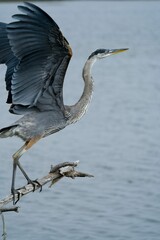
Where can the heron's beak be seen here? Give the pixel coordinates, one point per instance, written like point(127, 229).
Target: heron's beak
point(115, 51)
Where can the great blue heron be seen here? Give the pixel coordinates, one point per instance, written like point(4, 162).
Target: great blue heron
point(37, 56)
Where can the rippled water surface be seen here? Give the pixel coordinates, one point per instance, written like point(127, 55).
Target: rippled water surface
point(117, 141)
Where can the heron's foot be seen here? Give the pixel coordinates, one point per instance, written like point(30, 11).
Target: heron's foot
point(34, 184)
point(16, 195)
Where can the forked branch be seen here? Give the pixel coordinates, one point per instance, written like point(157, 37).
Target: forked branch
point(66, 169)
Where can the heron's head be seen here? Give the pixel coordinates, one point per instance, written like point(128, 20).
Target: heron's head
point(102, 53)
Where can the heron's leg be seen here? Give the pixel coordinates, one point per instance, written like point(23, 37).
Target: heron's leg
point(16, 157)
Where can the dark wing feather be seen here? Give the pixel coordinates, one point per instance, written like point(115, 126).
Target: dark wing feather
point(7, 57)
point(43, 54)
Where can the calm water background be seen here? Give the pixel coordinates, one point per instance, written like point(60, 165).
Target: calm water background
point(117, 141)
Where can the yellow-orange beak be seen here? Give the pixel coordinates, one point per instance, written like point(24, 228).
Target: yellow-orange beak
point(115, 51)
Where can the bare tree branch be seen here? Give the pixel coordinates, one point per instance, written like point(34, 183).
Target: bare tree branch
point(56, 173)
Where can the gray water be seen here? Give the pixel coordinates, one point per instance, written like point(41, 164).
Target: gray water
point(117, 141)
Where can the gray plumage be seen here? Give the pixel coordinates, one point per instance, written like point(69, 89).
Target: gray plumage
point(37, 56)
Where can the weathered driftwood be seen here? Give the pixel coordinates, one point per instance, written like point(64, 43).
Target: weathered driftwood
point(66, 169)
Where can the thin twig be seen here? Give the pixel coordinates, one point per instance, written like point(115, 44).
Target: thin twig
point(11, 209)
point(4, 234)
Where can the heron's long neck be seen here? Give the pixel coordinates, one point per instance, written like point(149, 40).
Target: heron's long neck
point(78, 110)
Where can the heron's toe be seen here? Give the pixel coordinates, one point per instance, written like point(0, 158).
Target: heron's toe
point(35, 184)
point(16, 195)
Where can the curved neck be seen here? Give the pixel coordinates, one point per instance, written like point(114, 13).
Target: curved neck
point(79, 109)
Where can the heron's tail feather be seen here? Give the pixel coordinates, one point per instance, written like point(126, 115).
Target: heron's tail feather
point(7, 131)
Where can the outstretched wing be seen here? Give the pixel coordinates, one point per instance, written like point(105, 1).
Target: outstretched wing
point(43, 55)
